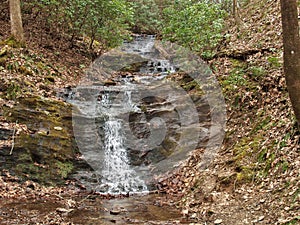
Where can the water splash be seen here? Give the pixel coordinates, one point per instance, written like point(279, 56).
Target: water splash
point(118, 176)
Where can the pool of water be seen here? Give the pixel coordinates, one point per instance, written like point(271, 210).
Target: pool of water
point(91, 209)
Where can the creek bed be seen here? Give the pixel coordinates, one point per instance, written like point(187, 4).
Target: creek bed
point(91, 209)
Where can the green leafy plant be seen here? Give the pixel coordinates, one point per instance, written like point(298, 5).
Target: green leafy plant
point(103, 20)
point(274, 62)
point(13, 91)
point(147, 17)
point(193, 24)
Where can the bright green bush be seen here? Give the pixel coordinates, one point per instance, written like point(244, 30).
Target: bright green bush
point(194, 24)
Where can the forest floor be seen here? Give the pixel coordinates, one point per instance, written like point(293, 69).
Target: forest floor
point(255, 179)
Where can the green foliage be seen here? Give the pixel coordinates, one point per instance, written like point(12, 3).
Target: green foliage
point(197, 25)
point(64, 168)
point(274, 62)
point(103, 20)
point(236, 79)
point(257, 71)
point(147, 16)
point(13, 91)
point(293, 221)
point(12, 42)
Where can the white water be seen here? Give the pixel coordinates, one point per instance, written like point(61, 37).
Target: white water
point(118, 176)
point(110, 159)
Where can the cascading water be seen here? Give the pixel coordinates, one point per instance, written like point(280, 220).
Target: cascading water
point(118, 176)
point(128, 128)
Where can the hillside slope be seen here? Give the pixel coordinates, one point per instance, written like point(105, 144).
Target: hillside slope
point(255, 179)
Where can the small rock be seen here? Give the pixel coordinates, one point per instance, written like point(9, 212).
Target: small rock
point(43, 132)
point(63, 210)
point(218, 221)
point(115, 212)
point(262, 200)
point(58, 128)
point(194, 215)
point(109, 83)
point(261, 218)
point(185, 211)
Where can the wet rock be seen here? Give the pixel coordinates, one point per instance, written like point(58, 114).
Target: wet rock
point(46, 152)
point(109, 82)
point(5, 134)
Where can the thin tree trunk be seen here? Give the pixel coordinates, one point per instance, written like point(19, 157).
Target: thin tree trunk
point(234, 6)
point(291, 44)
point(16, 20)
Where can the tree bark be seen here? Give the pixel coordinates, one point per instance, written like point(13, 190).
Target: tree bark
point(291, 44)
point(16, 20)
point(234, 6)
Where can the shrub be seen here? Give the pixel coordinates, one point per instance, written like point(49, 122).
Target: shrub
point(197, 25)
point(103, 20)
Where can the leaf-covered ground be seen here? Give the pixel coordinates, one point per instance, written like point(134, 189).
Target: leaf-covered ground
point(255, 179)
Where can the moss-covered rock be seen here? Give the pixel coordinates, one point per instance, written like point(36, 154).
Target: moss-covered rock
point(46, 151)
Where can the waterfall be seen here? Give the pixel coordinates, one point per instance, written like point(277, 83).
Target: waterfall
point(138, 127)
point(118, 177)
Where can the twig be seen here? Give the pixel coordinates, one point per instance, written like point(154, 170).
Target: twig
point(13, 139)
point(84, 199)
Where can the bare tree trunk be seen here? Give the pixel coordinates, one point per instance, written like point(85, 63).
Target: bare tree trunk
point(291, 44)
point(16, 20)
point(234, 6)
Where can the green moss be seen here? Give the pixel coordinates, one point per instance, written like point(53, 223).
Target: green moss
point(274, 62)
point(247, 146)
point(293, 221)
point(24, 157)
point(236, 79)
point(246, 174)
point(12, 42)
point(26, 71)
point(169, 145)
point(144, 108)
point(3, 61)
point(238, 64)
point(13, 91)
point(261, 157)
point(36, 172)
point(265, 159)
point(263, 124)
point(46, 154)
point(3, 52)
point(64, 168)
point(256, 71)
point(192, 86)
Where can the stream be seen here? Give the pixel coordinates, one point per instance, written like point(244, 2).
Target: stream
point(91, 209)
point(134, 123)
point(130, 122)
